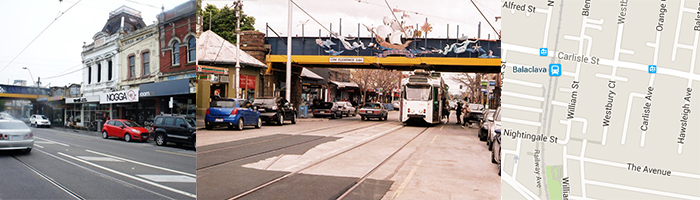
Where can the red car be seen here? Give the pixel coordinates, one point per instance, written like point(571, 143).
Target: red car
point(125, 129)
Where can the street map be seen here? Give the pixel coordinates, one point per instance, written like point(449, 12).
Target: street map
point(601, 99)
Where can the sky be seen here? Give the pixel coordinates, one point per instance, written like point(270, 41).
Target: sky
point(371, 12)
point(58, 50)
point(440, 14)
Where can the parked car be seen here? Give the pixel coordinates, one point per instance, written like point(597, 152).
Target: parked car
point(388, 106)
point(124, 129)
point(496, 153)
point(476, 114)
point(178, 129)
point(328, 109)
point(374, 110)
point(485, 123)
point(15, 135)
point(495, 124)
point(232, 113)
point(396, 105)
point(5, 115)
point(39, 121)
point(275, 110)
point(346, 108)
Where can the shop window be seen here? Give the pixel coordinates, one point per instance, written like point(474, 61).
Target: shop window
point(89, 75)
point(145, 62)
point(176, 53)
point(99, 72)
point(191, 49)
point(132, 66)
point(109, 70)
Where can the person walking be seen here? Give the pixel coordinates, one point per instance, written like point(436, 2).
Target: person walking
point(458, 111)
point(467, 111)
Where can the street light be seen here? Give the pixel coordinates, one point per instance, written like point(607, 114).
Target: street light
point(30, 75)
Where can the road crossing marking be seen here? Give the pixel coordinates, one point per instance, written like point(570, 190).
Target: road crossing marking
point(95, 158)
point(169, 178)
point(130, 176)
point(140, 163)
point(51, 141)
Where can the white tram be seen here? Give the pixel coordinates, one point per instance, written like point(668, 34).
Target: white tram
point(421, 98)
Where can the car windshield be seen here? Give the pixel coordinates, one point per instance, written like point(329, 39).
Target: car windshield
point(13, 125)
point(264, 102)
point(476, 107)
point(131, 124)
point(223, 103)
point(371, 106)
point(325, 105)
point(191, 121)
point(417, 93)
point(41, 117)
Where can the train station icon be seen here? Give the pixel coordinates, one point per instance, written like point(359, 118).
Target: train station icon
point(652, 69)
point(544, 51)
point(554, 69)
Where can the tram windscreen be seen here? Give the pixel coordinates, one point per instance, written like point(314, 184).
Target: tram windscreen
point(417, 93)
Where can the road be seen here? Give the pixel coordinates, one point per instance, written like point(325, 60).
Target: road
point(346, 158)
point(66, 164)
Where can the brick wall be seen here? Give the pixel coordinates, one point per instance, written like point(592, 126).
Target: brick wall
point(252, 42)
point(184, 28)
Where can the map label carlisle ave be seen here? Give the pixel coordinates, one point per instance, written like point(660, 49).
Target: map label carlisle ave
point(647, 109)
point(647, 169)
point(684, 115)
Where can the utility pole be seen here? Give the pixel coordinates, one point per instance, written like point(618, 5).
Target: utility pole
point(288, 82)
point(238, 50)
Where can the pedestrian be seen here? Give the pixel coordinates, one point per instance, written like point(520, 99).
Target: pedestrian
point(445, 110)
point(467, 112)
point(458, 111)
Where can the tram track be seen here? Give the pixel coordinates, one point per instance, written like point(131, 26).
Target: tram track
point(349, 190)
point(282, 147)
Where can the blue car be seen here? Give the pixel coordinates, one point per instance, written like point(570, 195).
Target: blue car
point(232, 113)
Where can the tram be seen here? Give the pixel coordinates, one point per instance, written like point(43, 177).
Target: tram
point(422, 96)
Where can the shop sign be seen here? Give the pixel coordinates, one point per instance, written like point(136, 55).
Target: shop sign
point(212, 70)
point(345, 60)
point(124, 96)
point(247, 82)
point(183, 76)
point(83, 99)
point(145, 94)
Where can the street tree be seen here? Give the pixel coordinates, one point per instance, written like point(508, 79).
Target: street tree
point(472, 93)
point(383, 80)
point(222, 21)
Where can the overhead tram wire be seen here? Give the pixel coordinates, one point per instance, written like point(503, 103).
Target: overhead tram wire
point(319, 23)
point(37, 37)
point(416, 13)
point(487, 20)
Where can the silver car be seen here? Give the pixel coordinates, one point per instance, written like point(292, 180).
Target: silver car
point(495, 124)
point(15, 135)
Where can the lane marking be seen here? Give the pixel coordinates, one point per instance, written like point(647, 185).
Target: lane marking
point(70, 134)
point(130, 176)
point(52, 142)
point(36, 145)
point(433, 141)
point(442, 127)
point(175, 153)
point(50, 180)
point(140, 163)
point(407, 179)
point(169, 178)
point(94, 158)
point(104, 175)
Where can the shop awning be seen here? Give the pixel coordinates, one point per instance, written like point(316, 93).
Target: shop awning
point(309, 74)
point(345, 84)
point(211, 70)
point(165, 88)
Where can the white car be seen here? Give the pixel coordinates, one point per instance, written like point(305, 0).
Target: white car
point(496, 124)
point(39, 121)
point(346, 108)
point(15, 135)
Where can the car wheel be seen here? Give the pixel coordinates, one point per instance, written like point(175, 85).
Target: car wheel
point(354, 114)
point(340, 116)
point(362, 118)
point(240, 124)
point(127, 137)
point(259, 124)
point(490, 146)
point(160, 139)
point(280, 120)
point(333, 116)
point(209, 127)
point(27, 151)
point(294, 119)
point(104, 135)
